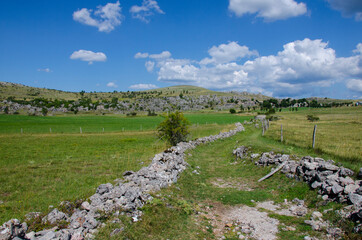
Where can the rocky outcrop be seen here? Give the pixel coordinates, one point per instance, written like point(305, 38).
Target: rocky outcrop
point(127, 195)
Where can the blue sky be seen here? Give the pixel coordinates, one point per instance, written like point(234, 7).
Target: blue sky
point(282, 48)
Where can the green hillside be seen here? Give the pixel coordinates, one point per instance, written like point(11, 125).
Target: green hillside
point(19, 91)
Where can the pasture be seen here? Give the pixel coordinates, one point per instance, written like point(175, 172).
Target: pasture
point(39, 168)
point(339, 132)
point(12, 124)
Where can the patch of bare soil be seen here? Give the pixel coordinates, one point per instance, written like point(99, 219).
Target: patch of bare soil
point(294, 208)
point(243, 221)
point(231, 183)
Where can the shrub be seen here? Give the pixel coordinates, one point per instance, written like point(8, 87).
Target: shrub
point(232, 110)
point(312, 118)
point(174, 128)
point(131, 114)
point(44, 111)
point(151, 113)
point(271, 111)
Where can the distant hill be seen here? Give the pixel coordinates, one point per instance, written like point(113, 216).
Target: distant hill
point(20, 91)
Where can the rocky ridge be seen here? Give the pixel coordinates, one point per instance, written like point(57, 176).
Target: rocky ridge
point(126, 196)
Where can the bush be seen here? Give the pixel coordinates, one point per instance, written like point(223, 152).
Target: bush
point(44, 111)
point(232, 110)
point(312, 118)
point(131, 114)
point(270, 111)
point(151, 113)
point(174, 128)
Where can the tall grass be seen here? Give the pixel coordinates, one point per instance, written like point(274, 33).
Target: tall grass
point(339, 131)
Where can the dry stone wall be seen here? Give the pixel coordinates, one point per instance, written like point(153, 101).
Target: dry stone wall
point(334, 183)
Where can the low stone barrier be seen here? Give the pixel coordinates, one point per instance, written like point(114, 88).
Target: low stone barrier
point(127, 195)
point(333, 182)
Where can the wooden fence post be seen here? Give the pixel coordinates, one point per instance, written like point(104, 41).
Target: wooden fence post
point(281, 132)
point(80, 129)
point(262, 126)
point(21, 130)
point(314, 133)
point(50, 130)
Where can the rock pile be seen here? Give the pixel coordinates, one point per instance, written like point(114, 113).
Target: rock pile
point(128, 195)
point(333, 182)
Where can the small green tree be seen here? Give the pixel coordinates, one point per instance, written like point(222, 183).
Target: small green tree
point(232, 110)
point(174, 128)
point(44, 111)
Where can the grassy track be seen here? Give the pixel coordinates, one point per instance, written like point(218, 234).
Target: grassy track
point(339, 132)
point(42, 169)
point(171, 215)
point(95, 124)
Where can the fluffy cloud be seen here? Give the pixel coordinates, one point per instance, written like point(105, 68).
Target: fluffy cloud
point(163, 55)
point(112, 85)
point(270, 10)
point(148, 8)
point(348, 7)
point(142, 86)
point(105, 18)
point(302, 67)
point(89, 56)
point(47, 70)
point(355, 85)
point(227, 53)
point(141, 55)
point(150, 66)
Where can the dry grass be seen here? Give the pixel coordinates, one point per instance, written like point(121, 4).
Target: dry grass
point(339, 131)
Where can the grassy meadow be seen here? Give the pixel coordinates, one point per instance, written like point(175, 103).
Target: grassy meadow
point(339, 132)
point(12, 124)
point(177, 212)
point(39, 168)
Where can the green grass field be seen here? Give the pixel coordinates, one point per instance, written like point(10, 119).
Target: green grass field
point(176, 212)
point(94, 124)
point(39, 168)
point(339, 132)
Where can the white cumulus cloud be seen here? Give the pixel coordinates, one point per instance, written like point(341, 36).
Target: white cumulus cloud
point(227, 53)
point(270, 10)
point(105, 18)
point(301, 67)
point(112, 85)
point(142, 86)
point(355, 85)
point(147, 9)
point(141, 55)
point(163, 55)
point(348, 7)
point(150, 66)
point(88, 56)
